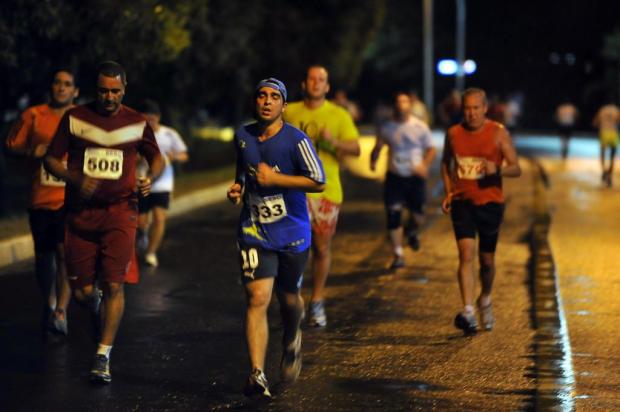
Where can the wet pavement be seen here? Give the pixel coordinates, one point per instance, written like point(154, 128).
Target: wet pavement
point(584, 238)
point(389, 345)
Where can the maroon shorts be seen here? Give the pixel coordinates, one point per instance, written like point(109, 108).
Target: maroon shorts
point(99, 244)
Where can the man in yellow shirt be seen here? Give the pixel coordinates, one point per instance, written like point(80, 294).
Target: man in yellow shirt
point(334, 135)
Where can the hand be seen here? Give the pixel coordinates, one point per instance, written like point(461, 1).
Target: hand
point(421, 170)
point(88, 186)
point(234, 193)
point(446, 204)
point(265, 175)
point(39, 150)
point(490, 168)
point(144, 186)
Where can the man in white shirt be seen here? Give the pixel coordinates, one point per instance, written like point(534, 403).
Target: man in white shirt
point(173, 149)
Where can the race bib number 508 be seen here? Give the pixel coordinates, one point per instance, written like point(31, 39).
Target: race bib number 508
point(103, 163)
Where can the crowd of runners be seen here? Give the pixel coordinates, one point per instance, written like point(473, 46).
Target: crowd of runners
point(101, 169)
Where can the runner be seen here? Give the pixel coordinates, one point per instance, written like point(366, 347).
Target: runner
point(566, 117)
point(334, 135)
point(607, 119)
point(276, 165)
point(30, 137)
point(173, 149)
point(102, 140)
point(411, 155)
point(477, 154)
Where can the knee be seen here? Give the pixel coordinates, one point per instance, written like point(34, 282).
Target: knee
point(394, 218)
point(258, 299)
point(466, 256)
point(113, 290)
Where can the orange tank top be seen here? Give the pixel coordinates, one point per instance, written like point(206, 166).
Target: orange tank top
point(469, 150)
point(37, 125)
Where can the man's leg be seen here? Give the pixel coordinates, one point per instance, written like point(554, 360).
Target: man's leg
point(142, 237)
point(113, 309)
point(487, 276)
point(156, 231)
point(395, 233)
point(321, 262)
point(292, 311)
point(612, 159)
point(63, 292)
point(258, 296)
point(466, 248)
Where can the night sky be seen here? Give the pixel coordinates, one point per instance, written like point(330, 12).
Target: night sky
point(550, 50)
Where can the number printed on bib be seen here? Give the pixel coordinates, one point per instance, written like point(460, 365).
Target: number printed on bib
point(48, 179)
point(470, 168)
point(103, 163)
point(268, 209)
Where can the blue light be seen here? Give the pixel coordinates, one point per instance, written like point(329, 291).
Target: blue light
point(449, 67)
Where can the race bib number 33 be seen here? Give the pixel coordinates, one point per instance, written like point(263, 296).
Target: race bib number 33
point(470, 168)
point(103, 163)
point(268, 209)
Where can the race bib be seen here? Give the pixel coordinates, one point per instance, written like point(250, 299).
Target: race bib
point(268, 209)
point(48, 179)
point(470, 168)
point(103, 163)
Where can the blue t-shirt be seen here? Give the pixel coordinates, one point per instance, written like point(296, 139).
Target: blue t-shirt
point(275, 218)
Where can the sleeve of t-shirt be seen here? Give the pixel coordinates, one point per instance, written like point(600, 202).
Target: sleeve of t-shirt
point(308, 161)
point(60, 142)
point(348, 131)
point(148, 145)
point(428, 139)
point(178, 145)
point(19, 135)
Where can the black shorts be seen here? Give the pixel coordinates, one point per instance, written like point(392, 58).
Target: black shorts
point(405, 191)
point(469, 219)
point(286, 267)
point(157, 199)
point(48, 228)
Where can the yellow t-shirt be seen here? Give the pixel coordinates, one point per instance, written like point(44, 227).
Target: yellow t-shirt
point(339, 123)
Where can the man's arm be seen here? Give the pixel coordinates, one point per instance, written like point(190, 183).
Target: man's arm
point(511, 167)
point(376, 150)
point(446, 161)
point(267, 177)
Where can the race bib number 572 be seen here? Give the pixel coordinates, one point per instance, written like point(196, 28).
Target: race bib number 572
point(470, 168)
point(103, 163)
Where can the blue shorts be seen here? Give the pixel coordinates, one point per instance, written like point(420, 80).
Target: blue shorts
point(286, 267)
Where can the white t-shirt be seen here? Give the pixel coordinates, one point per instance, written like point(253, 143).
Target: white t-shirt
point(169, 142)
point(408, 141)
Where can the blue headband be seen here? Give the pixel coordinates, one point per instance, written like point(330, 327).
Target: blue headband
point(273, 83)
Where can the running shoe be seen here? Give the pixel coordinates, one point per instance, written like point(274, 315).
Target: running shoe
point(466, 321)
point(291, 360)
point(486, 315)
point(257, 386)
point(317, 317)
point(100, 372)
point(57, 325)
point(151, 259)
point(398, 262)
point(413, 241)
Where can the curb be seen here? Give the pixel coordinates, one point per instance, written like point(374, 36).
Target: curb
point(555, 381)
point(21, 247)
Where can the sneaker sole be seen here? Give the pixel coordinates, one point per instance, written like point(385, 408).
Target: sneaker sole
point(465, 326)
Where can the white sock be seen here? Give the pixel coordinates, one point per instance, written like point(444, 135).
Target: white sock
point(468, 309)
point(398, 251)
point(104, 350)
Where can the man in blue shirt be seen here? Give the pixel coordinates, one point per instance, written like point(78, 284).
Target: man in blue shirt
point(276, 166)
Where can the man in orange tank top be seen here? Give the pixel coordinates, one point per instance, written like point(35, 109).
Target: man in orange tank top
point(477, 154)
point(29, 137)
